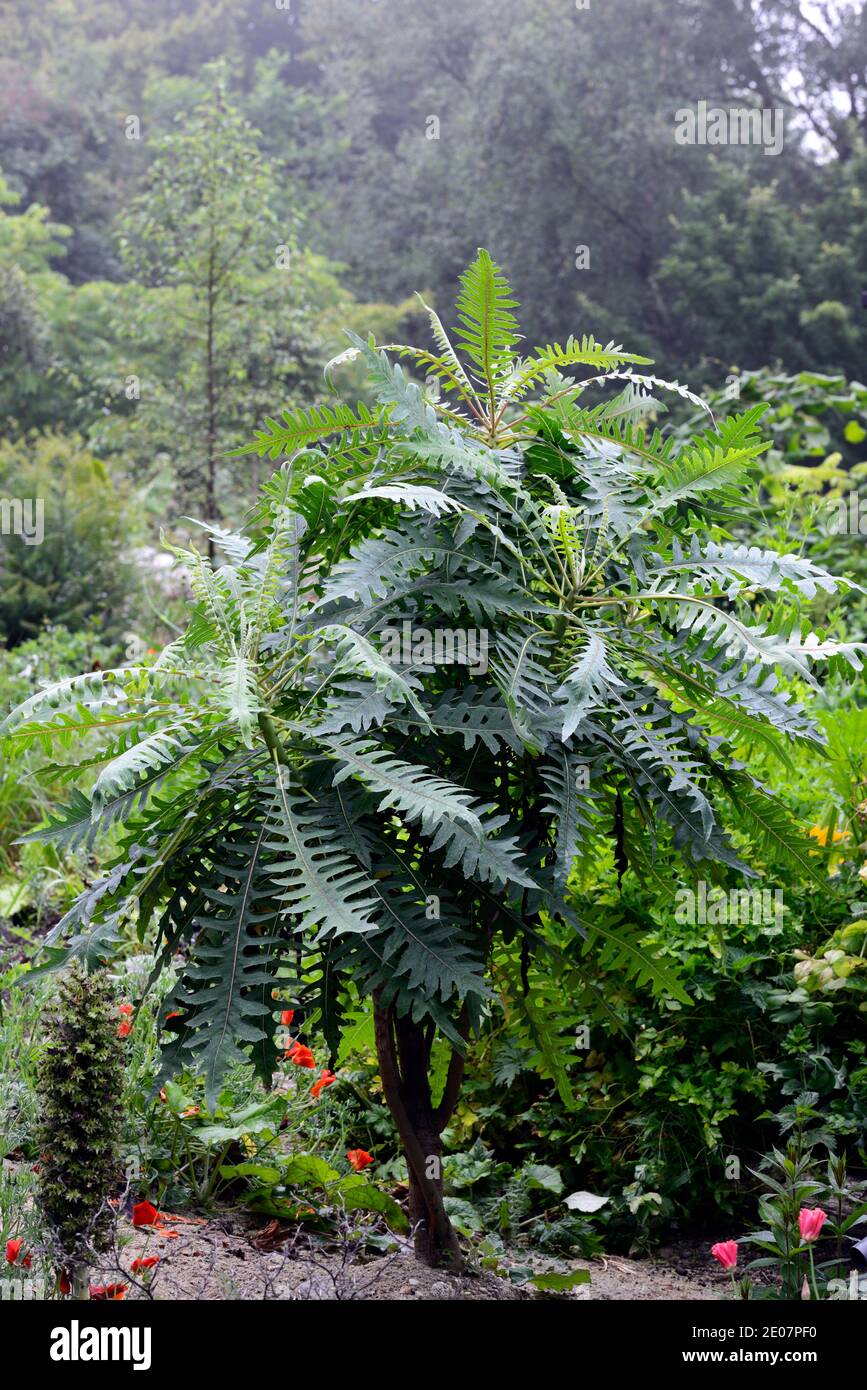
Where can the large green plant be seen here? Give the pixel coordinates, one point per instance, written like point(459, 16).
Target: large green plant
point(296, 807)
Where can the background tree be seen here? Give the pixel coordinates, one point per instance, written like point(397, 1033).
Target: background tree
point(556, 132)
point(202, 229)
point(799, 272)
point(28, 241)
point(224, 309)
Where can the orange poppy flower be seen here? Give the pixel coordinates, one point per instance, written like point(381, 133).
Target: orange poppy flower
point(111, 1292)
point(300, 1055)
point(359, 1158)
point(326, 1079)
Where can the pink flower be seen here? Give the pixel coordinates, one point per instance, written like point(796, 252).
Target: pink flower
point(726, 1251)
point(810, 1222)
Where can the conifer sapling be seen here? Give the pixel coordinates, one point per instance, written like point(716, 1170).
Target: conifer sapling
point(80, 1084)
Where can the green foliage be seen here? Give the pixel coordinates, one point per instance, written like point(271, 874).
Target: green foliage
point(291, 807)
point(207, 250)
point(305, 1189)
point(652, 1099)
point(799, 277)
point(691, 251)
point(523, 1205)
point(838, 964)
point(80, 1084)
point(35, 880)
point(28, 241)
point(813, 490)
point(19, 1058)
point(79, 571)
point(706, 253)
point(794, 1182)
point(184, 1150)
point(288, 796)
point(44, 660)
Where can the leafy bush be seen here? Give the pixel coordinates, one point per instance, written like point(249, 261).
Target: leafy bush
point(814, 474)
point(34, 879)
point(78, 571)
point(658, 1101)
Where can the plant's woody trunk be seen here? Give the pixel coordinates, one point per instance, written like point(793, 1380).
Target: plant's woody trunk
point(403, 1048)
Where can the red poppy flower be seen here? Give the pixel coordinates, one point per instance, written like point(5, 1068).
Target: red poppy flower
point(124, 1029)
point(326, 1079)
point(64, 1284)
point(125, 1009)
point(13, 1254)
point(300, 1055)
point(145, 1214)
point(111, 1292)
point(176, 1013)
point(359, 1158)
point(286, 1017)
point(147, 1262)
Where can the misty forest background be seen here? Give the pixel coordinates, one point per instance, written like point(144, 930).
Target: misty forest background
point(197, 197)
point(555, 131)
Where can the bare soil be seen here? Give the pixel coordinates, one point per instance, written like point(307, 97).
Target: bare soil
point(228, 1258)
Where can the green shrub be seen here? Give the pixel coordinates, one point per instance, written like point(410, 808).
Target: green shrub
point(659, 1099)
point(33, 877)
point(79, 572)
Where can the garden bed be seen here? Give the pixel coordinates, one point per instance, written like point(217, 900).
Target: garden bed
point(228, 1258)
